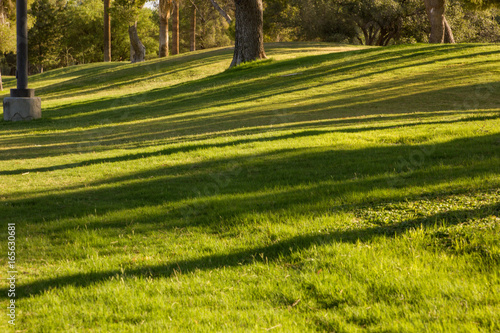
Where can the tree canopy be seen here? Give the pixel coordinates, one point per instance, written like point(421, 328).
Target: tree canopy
point(482, 4)
point(67, 32)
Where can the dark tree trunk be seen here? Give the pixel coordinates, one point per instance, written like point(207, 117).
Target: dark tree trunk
point(435, 13)
point(163, 36)
point(175, 28)
point(249, 43)
point(192, 45)
point(1, 84)
point(448, 34)
point(107, 32)
point(137, 49)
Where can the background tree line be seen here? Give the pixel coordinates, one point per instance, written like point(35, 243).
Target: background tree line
point(376, 22)
point(68, 32)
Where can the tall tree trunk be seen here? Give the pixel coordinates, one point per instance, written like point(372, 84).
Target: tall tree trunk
point(192, 45)
point(448, 33)
point(2, 15)
point(249, 43)
point(221, 12)
point(1, 84)
point(107, 32)
point(137, 49)
point(435, 13)
point(164, 8)
point(175, 27)
point(163, 37)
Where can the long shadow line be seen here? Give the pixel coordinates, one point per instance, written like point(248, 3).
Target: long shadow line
point(277, 251)
point(175, 187)
point(192, 147)
point(284, 64)
point(201, 98)
point(165, 130)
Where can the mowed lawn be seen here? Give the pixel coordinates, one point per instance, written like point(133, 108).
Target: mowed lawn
point(328, 188)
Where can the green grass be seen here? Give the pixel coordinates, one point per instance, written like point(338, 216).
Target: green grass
point(328, 188)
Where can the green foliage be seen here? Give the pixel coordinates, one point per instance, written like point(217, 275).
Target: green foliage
point(125, 13)
point(231, 31)
point(46, 33)
point(380, 21)
point(473, 26)
point(147, 29)
point(68, 33)
point(211, 29)
point(282, 20)
point(8, 37)
point(126, 10)
point(372, 22)
point(8, 28)
point(82, 41)
point(481, 4)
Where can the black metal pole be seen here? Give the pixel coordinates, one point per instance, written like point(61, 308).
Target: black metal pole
point(22, 103)
point(22, 43)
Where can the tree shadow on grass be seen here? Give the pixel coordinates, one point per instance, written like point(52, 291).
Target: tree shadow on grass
point(300, 133)
point(129, 76)
point(306, 180)
point(280, 250)
point(182, 120)
point(288, 179)
point(222, 191)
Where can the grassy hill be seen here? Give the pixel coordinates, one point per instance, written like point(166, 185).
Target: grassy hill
point(328, 188)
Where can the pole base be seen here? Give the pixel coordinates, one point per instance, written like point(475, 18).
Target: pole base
point(22, 93)
point(22, 108)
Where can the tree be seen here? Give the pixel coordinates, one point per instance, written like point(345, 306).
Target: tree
point(83, 40)
point(440, 28)
point(448, 33)
point(2, 15)
point(192, 34)
point(249, 35)
point(7, 32)
point(46, 34)
point(380, 21)
point(137, 49)
point(175, 27)
point(129, 11)
point(107, 31)
point(481, 4)
point(211, 27)
point(164, 9)
point(221, 11)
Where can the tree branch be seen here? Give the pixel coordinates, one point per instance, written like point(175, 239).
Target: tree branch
point(221, 11)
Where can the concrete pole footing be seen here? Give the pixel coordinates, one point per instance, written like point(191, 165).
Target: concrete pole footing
point(22, 108)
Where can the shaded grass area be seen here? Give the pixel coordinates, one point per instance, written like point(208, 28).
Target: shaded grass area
point(318, 190)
